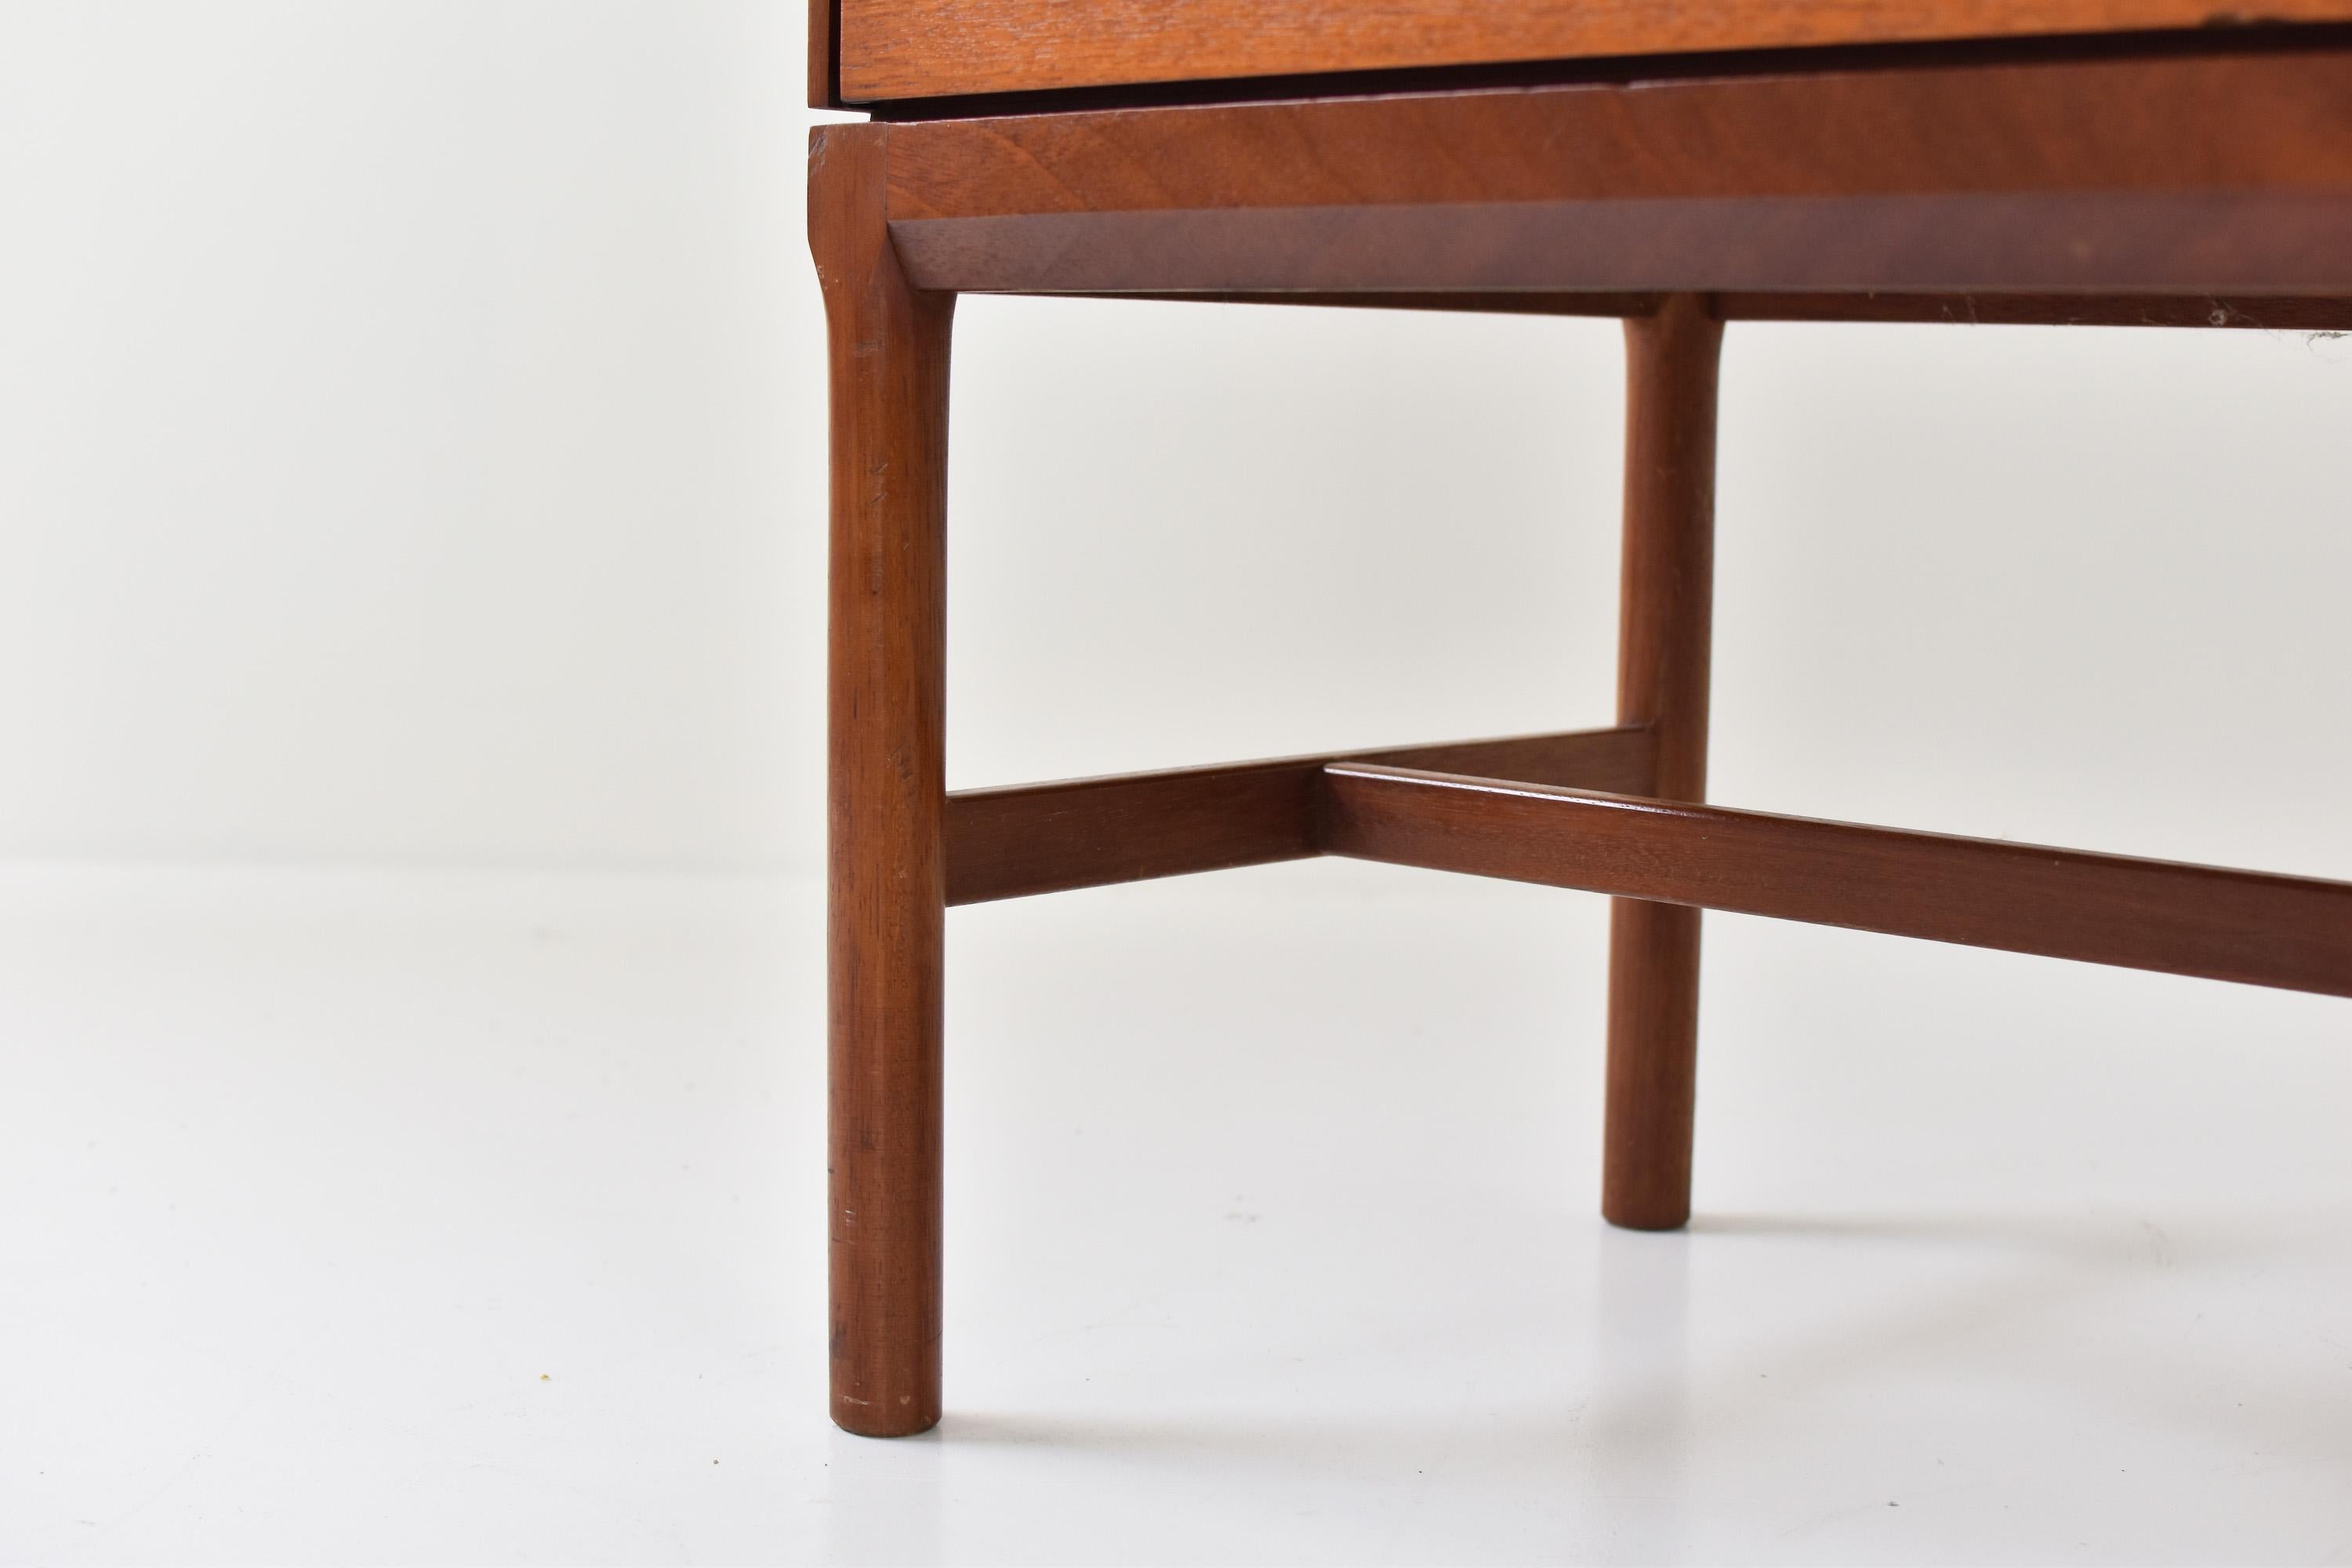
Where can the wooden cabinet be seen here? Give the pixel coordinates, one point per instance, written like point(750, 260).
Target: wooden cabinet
point(2052, 161)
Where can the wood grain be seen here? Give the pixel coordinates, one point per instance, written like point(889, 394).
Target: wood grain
point(824, 84)
point(2165, 186)
point(894, 49)
point(2253, 926)
point(886, 894)
point(1665, 638)
point(1022, 839)
point(2223, 174)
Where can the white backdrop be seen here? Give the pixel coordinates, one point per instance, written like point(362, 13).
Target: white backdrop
point(411, 451)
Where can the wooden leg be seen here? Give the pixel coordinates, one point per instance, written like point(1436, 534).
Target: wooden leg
point(887, 871)
point(1662, 680)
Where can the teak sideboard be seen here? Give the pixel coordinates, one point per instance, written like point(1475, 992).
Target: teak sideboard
point(1676, 163)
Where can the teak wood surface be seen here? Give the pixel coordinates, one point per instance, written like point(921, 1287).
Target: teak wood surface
point(2211, 174)
point(885, 790)
point(898, 49)
point(2253, 926)
point(1664, 642)
point(1010, 843)
point(2209, 184)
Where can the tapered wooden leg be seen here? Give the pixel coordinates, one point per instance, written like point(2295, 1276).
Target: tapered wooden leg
point(888, 885)
point(1661, 681)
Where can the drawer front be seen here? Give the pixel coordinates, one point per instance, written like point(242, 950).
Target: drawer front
point(891, 50)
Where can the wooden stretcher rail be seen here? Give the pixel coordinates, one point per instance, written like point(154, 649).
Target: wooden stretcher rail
point(1012, 842)
point(2260, 929)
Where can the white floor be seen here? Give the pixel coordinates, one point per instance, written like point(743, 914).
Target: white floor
point(377, 1217)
